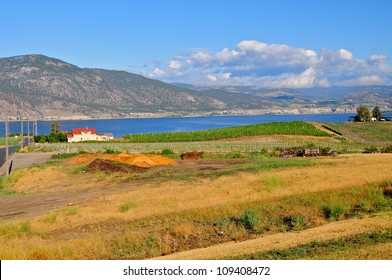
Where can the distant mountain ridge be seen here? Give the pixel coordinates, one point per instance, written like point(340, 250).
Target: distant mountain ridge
point(45, 87)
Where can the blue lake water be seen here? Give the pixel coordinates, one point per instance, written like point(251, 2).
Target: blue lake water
point(119, 127)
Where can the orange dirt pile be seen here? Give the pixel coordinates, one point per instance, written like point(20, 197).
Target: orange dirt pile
point(137, 160)
point(82, 159)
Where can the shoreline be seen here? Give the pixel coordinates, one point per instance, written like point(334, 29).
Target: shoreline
point(170, 116)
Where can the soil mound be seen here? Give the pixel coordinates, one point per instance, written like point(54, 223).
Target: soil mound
point(139, 160)
point(82, 159)
point(191, 155)
point(106, 165)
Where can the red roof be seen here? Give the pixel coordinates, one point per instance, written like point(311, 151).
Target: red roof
point(80, 130)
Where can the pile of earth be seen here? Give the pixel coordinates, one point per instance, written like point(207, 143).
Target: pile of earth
point(139, 160)
point(112, 166)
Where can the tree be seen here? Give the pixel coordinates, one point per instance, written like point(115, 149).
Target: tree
point(363, 114)
point(376, 113)
point(54, 127)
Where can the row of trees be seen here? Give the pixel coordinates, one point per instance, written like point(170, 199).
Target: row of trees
point(54, 136)
point(364, 114)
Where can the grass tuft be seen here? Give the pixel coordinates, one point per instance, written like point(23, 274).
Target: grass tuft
point(128, 205)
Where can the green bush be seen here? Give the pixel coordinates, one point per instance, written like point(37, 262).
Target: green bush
point(387, 149)
point(297, 222)
point(370, 150)
point(167, 152)
point(111, 151)
point(333, 211)
point(249, 219)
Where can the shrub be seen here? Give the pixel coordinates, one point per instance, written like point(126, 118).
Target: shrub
point(297, 222)
point(387, 149)
point(167, 151)
point(249, 219)
point(111, 151)
point(333, 211)
point(370, 150)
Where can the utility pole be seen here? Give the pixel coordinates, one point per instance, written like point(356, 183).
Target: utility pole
point(28, 130)
point(7, 172)
point(21, 131)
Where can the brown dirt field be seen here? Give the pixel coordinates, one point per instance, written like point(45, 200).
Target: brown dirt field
point(53, 187)
point(282, 241)
point(112, 166)
point(173, 195)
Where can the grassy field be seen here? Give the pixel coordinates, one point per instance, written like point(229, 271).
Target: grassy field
point(353, 139)
point(11, 141)
point(369, 133)
point(273, 208)
point(192, 205)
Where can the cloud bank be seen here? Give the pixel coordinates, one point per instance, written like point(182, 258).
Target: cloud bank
point(254, 63)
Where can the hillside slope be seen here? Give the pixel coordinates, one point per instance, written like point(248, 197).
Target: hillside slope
point(43, 86)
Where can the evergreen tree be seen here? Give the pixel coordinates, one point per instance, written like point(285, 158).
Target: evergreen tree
point(54, 127)
point(376, 113)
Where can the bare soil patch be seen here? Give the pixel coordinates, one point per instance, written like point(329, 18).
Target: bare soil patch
point(105, 165)
point(50, 188)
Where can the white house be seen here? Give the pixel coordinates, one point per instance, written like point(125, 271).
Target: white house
point(88, 134)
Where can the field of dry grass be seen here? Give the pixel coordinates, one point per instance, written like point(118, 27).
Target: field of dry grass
point(172, 209)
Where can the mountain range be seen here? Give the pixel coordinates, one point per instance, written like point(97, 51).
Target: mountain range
point(48, 88)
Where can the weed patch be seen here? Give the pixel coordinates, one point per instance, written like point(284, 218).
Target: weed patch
point(128, 205)
point(249, 219)
point(334, 211)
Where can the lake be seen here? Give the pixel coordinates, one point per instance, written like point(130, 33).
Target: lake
point(119, 127)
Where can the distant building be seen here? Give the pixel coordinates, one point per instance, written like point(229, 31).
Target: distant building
point(88, 134)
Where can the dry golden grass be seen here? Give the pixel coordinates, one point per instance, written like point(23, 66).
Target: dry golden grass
point(282, 241)
point(177, 196)
point(153, 198)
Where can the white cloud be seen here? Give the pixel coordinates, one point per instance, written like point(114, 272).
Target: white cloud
point(174, 65)
point(364, 81)
point(345, 54)
point(254, 63)
point(158, 72)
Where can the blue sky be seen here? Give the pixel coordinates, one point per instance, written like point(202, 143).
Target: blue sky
point(263, 43)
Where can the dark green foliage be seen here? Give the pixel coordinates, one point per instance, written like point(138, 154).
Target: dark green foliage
point(370, 150)
point(54, 127)
point(387, 149)
point(376, 113)
point(51, 138)
point(111, 151)
point(333, 211)
point(167, 152)
point(249, 219)
point(363, 114)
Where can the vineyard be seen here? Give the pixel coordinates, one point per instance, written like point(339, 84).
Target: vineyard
point(349, 138)
point(370, 133)
point(277, 128)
